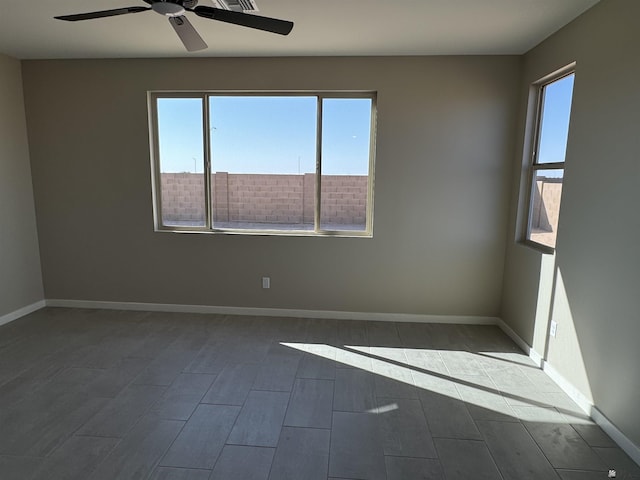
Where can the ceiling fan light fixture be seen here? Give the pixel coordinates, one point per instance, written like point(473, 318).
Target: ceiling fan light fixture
point(170, 9)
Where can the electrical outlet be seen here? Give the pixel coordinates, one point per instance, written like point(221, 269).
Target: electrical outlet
point(554, 328)
point(266, 282)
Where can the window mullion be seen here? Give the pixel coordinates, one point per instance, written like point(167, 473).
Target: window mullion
point(206, 138)
point(370, 176)
point(157, 177)
point(548, 166)
point(316, 219)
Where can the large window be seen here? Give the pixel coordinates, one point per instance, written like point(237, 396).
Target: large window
point(553, 111)
point(263, 163)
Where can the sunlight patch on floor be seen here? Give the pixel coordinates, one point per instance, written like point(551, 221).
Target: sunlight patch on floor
point(458, 375)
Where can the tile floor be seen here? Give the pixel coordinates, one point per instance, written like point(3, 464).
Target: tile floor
point(107, 395)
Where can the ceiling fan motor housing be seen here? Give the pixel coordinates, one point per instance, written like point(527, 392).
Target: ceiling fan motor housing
point(172, 8)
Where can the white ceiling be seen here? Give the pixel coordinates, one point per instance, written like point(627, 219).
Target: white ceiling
point(323, 27)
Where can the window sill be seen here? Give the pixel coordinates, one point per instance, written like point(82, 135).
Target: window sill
point(538, 247)
point(268, 233)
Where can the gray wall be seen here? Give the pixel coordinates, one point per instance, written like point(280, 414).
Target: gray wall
point(592, 285)
point(20, 277)
point(444, 147)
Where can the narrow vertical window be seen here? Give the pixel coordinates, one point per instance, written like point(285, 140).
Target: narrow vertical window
point(547, 167)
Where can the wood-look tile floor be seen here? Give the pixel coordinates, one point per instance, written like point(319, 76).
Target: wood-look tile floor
point(108, 395)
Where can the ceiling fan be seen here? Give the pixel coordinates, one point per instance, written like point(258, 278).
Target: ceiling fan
point(175, 9)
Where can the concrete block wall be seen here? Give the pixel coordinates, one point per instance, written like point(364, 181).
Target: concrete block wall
point(344, 199)
point(183, 197)
point(264, 198)
point(546, 204)
point(309, 198)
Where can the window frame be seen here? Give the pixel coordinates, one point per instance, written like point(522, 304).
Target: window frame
point(532, 164)
point(152, 100)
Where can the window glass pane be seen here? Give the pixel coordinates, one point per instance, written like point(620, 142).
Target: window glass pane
point(346, 140)
point(181, 161)
point(545, 206)
point(263, 156)
point(554, 122)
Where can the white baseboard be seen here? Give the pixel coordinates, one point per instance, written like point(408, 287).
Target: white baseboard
point(576, 395)
point(536, 357)
point(616, 435)
point(276, 312)
point(533, 355)
point(21, 312)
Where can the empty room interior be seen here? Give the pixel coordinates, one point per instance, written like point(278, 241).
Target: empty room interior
point(353, 241)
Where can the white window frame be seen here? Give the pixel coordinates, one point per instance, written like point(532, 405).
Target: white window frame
point(209, 227)
point(536, 115)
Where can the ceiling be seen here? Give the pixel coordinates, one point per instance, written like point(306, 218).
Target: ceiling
point(327, 27)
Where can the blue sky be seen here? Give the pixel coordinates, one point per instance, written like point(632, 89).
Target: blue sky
point(555, 120)
point(265, 135)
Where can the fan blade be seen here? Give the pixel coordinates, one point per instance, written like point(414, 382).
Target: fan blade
point(283, 27)
point(102, 13)
point(191, 39)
